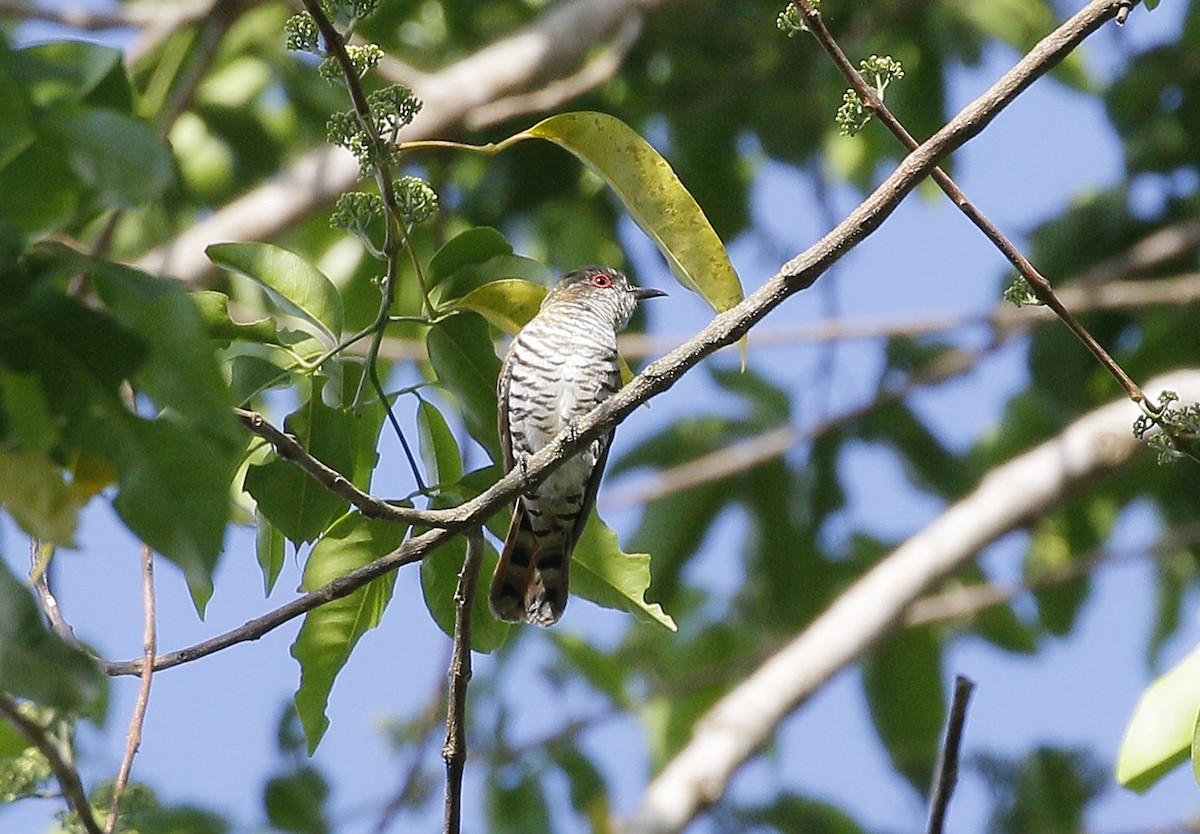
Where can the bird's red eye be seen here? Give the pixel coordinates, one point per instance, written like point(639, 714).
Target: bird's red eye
point(602, 280)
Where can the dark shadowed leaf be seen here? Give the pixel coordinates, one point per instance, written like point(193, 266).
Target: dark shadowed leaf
point(464, 359)
point(120, 157)
point(296, 802)
point(36, 664)
point(517, 806)
point(292, 500)
point(439, 581)
point(902, 679)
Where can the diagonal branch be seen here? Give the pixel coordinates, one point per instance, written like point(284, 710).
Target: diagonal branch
point(747, 717)
point(63, 767)
point(1040, 286)
point(796, 275)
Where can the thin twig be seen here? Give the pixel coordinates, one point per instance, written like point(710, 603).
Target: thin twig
point(945, 775)
point(39, 573)
point(290, 449)
point(591, 75)
point(396, 237)
point(1040, 286)
point(63, 767)
point(455, 750)
point(133, 739)
point(964, 602)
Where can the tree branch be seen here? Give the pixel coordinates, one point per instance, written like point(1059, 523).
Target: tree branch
point(133, 739)
point(798, 274)
point(64, 770)
point(454, 752)
point(290, 449)
point(946, 773)
point(1037, 282)
point(746, 718)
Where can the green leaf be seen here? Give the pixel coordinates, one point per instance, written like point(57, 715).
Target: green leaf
point(654, 197)
point(290, 498)
point(473, 246)
point(470, 277)
point(902, 679)
point(34, 492)
point(439, 581)
point(296, 802)
point(221, 327)
point(299, 288)
point(27, 417)
point(122, 158)
point(16, 128)
point(39, 192)
point(439, 449)
point(330, 632)
point(269, 549)
point(517, 808)
point(1161, 730)
point(792, 814)
point(602, 573)
point(36, 664)
point(12, 743)
point(464, 359)
point(509, 303)
point(174, 490)
point(72, 71)
point(181, 372)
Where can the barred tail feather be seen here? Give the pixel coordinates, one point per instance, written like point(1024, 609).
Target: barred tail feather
point(514, 570)
point(530, 582)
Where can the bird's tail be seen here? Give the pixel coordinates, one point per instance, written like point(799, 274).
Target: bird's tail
point(531, 581)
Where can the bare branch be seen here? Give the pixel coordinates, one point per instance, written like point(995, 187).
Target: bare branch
point(1037, 282)
point(64, 769)
point(39, 573)
point(556, 93)
point(964, 602)
point(746, 718)
point(946, 773)
point(798, 274)
point(289, 448)
point(133, 738)
point(454, 752)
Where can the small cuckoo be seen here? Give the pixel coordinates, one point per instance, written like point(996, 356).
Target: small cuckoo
point(559, 367)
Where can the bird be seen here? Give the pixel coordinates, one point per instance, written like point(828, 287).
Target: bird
point(559, 367)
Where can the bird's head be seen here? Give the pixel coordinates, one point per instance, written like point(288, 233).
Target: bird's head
point(602, 288)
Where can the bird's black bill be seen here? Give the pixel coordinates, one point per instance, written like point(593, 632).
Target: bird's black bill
point(642, 293)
